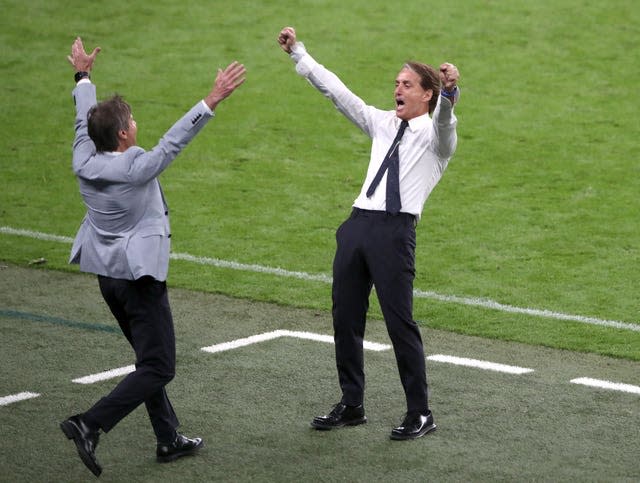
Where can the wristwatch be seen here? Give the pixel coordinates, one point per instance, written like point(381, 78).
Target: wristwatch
point(81, 75)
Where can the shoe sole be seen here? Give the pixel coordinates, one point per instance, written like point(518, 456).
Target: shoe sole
point(180, 454)
point(71, 432)
point(323, 427)
point(426, 430)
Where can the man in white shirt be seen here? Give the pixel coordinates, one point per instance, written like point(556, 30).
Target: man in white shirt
point(411, 147)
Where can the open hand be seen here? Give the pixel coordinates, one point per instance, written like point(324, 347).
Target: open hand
point(79, 59)
point(227, 81)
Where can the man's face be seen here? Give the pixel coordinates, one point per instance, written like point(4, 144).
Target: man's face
point(411, 99)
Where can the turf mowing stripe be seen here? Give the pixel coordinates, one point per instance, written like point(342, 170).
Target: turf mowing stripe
point(490, 366)
point(103, 376)
point(475, 302)
point(21, 396)
point(614, 386)
point(55, 320)
point(254, 339)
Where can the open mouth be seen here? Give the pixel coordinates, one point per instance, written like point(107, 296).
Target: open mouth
point(399, 102)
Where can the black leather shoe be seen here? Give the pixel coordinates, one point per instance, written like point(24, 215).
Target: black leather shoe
point(86, 441)
point(341, 415)
point(414, 426)
point(182, 446)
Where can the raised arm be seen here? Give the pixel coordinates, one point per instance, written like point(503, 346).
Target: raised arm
point(84, 97)
point(444, 119)
point(325, 81)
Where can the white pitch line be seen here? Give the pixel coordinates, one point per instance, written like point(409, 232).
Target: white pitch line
point(490, 366)
point(13, 398)
point(216, 262)
point(254, 339)
point(328, 339)
point(235, 344)
point(320, 277)
point(614, 386)
point(493, 305)
point(35, 234)
point(103, 376)
point(372, 346)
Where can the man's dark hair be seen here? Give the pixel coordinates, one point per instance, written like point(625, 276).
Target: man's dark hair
point(429, 79)
point(105, 120)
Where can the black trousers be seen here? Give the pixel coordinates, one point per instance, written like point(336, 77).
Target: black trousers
point(376, 248)
point(142, 310)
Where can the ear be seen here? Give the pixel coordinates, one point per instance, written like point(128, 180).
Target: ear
point(123, 140)
point(428, 94)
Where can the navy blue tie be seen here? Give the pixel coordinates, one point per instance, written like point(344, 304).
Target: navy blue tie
point(392, 163)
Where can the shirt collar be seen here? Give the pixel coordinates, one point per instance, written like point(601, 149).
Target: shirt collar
point(418, 122)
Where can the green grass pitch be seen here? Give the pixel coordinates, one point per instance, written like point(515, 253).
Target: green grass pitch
point(537, 210)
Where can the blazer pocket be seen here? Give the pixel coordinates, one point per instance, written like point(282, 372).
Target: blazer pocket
point(150, 231)
point(148, 252)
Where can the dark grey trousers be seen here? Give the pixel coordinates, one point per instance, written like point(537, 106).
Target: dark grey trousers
point(142, 310)
point(376, 248)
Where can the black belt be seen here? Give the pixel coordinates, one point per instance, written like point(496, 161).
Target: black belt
point(382, 214)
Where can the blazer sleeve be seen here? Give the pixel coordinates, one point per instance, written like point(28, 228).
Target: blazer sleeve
point(150, 164)
point(136, 166)
point(84, 98)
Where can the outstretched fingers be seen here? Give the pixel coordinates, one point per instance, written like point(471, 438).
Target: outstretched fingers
point(232, 76)
point(227, 81)
point(79, 58)
point(236, 72)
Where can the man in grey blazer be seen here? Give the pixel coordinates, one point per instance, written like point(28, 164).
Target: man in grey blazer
point(124, 239)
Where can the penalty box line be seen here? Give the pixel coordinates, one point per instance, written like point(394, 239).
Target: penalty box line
point(21, 396)
point(374, 346)
point(254, 339)
point(234, 344)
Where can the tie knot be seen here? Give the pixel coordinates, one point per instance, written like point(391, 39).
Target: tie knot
point(403, 126)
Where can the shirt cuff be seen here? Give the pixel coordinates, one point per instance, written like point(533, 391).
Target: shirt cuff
point(206, 108)
point(297, 51)
point(305, 63)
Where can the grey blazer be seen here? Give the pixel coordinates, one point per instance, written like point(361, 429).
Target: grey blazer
point(125, 232)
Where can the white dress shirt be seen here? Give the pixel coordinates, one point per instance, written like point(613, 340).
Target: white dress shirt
point(425, 149)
